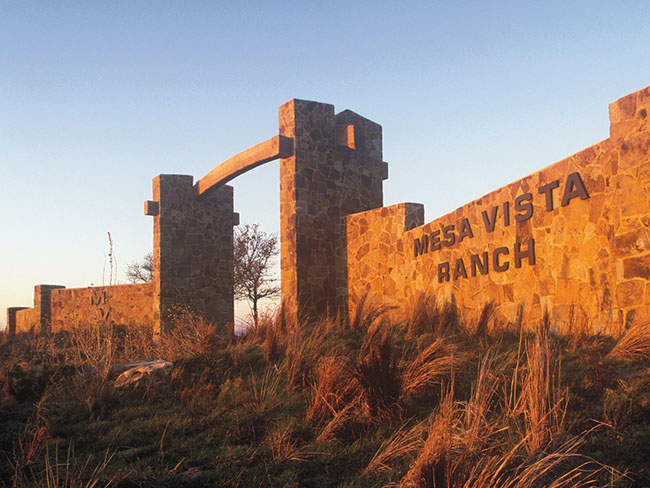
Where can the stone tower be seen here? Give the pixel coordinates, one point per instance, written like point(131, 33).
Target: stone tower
point(336, 169)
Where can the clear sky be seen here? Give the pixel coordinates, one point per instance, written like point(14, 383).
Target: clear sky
point(96, 98)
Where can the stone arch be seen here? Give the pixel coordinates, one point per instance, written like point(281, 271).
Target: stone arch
point(330, 167)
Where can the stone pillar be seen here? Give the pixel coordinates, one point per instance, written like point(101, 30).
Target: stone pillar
point(11, 319)
point(193, 252)
point(43, 306)
point(336, 170)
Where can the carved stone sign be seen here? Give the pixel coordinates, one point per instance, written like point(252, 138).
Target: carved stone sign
point(572, 239)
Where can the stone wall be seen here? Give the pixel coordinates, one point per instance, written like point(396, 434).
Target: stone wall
point(336, 169)
point(57, 308)
point(26, 321)
point(130, 305)
point(573, 239)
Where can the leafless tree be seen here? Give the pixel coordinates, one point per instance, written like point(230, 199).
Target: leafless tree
point(141, 271)
point(253, 255)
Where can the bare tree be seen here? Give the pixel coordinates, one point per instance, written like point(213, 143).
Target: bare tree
point(141, 271)
point(253, 255)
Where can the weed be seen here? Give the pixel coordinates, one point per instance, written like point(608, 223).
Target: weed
point(33, 441)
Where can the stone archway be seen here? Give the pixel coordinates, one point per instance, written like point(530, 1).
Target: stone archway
point(330, 166)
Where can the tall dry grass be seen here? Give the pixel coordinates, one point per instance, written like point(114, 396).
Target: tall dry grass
point(403, 442)
point(464, 447)
point(376, 369)
point(365, 313)
point(540, 406)
point(430, 366)
point(331, 389)
point(634, 345)
point(425, 315)
point(67, 473)
point(192, 335)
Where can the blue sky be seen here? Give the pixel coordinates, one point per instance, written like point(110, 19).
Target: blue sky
point(96, 98)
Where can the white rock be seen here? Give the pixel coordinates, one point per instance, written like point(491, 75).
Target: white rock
point(140, 371)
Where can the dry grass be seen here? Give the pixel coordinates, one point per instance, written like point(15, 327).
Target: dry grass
point(93, 349)
point(482, 326)
point(284, 447)
point(634, 345)
point(401, 444)
point(426, 316)
point(333, 387)
point(431, 365)
point(199, 396)
point(191, 335)
point(32, 443)
point(542, 403)
point(477, 426)
point(461, 450)
point(305, 345)
point(338, 421)
point(365, 314)
point(377, 372)
point(136, 343)
point(266, 392)
point(68, 473)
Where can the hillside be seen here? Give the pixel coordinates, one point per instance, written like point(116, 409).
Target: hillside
point(420, 402)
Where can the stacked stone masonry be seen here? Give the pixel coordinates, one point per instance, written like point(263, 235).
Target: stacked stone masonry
point(587, 219)
point(192, 255)
point(57, 308)
point(572, 239)
point(320, 184)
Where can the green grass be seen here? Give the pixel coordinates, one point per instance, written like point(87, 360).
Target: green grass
point(235, 413)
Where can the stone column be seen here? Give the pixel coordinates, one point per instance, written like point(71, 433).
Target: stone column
point(43, 306)
point(336, 170)
point(11, 319)
point(193, 252)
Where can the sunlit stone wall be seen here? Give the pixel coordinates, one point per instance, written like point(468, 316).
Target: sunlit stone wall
point(58, 308)
point(572, 239)
point(130, 305)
